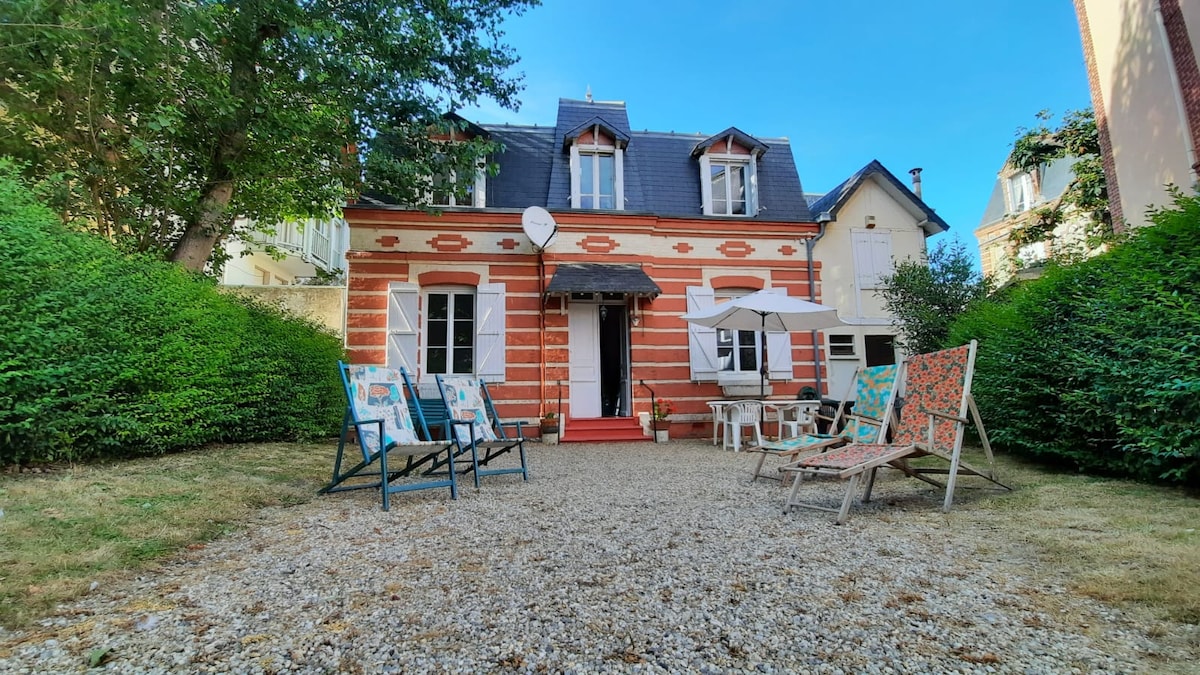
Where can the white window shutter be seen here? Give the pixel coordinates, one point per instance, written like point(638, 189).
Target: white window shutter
point(864, 262)
point(702, 341)
point(752, 187)
point(779, 351)
point(575, 187)
point(490, 359)
point(402, 323)
point(881, 256)
point(706, 184)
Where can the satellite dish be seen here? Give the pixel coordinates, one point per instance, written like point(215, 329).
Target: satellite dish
point(540, 227)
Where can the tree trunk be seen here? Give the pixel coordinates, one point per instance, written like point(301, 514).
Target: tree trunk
point(201, 236)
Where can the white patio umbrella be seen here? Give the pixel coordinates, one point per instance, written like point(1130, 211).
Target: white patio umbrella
point(767, 312)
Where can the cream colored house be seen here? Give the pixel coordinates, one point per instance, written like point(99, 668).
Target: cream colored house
point(868, 223)
point(1144, 77)
point(308, 249)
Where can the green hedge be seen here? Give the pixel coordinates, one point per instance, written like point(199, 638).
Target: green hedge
point(1096, 366)
point(106, 355)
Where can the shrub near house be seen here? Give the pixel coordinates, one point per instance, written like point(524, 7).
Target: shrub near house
point(105, 355)
point(1097, 365)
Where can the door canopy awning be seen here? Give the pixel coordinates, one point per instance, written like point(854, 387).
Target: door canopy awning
point(597, 278)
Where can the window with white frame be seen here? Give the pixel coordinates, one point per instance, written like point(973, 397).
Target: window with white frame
point(448, 190)
point(1032, 253)
point(728, 182)
point(738, 351)
point(597, 180)
point(733, 356)
point(1020, 192)
point(597, 171)
point(449, 332)
point(455, 330)
point(842, 346)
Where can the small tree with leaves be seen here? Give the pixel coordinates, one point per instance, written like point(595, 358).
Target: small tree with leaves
point(925, 299)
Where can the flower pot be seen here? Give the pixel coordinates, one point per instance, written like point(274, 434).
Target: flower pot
point(662, 435)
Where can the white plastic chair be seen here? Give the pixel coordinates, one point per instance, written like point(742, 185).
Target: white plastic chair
point(743, 414)
point(796, 417)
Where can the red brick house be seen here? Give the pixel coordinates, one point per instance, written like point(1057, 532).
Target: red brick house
point(650, 226)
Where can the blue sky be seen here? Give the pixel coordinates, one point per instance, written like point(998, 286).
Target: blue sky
point(940, 84)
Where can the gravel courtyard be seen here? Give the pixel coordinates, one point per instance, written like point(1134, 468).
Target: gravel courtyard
point(613, 558)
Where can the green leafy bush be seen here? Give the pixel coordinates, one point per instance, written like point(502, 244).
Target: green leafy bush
point(1097, 365)
point(108, 355)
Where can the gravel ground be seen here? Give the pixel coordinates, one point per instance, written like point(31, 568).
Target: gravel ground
point(613, 558)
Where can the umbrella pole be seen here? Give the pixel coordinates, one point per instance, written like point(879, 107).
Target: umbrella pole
point(762, 367)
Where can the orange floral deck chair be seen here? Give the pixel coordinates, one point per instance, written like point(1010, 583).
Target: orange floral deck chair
point(932, 421)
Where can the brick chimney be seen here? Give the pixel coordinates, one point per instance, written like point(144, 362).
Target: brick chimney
point(916, 181)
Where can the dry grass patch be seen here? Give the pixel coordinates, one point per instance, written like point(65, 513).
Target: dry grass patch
point(1115, 540)
point(64, 530)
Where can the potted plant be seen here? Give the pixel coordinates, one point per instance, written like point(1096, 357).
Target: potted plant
point(662, 426)
point(549, 428)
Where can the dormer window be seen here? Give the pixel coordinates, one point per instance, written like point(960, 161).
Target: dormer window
point(448, 190)
point(597, 166)
point(728, 185)
point(460, 186)
point(1020, 192)
point(729, 173)
point(597, 180)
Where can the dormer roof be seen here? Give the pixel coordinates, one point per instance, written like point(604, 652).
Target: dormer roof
point(621, 137)
point(742, 138)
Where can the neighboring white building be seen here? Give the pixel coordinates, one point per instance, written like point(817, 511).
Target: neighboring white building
point(309, 248)
point(870, 221)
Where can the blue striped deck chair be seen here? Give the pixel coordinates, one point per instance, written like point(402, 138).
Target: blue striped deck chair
point(376, 410)
point(474, 426)
point(874, 391)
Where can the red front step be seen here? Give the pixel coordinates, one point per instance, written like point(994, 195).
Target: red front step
point(603, 429)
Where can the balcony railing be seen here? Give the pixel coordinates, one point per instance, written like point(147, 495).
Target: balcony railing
point(316, 242)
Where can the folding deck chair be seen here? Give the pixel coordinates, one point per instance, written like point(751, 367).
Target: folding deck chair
point(473, 425)
point(377, 411)
point(874, 390)
point(937, 398)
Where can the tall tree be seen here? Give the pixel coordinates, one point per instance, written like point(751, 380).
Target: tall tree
point(157, 122)
point(927, 298)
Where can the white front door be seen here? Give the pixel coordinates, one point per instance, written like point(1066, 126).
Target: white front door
point(583, 332)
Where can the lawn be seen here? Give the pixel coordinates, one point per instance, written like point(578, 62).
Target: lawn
point(69, 528)
point(62, 531)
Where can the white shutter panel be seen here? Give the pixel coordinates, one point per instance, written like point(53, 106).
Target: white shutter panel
point(881, 256)
point(706, 185)
point(779, 351)
point(702, 341)
point(864, 262)
point(402, 326)
point(490, 359)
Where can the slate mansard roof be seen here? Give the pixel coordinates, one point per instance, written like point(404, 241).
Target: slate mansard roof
point(661, 173)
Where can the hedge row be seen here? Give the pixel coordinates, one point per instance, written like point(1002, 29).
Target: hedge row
point(105, 355)
point(1096, 366)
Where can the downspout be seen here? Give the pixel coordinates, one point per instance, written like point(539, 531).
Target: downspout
point(542, 337)
point(809, 243)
